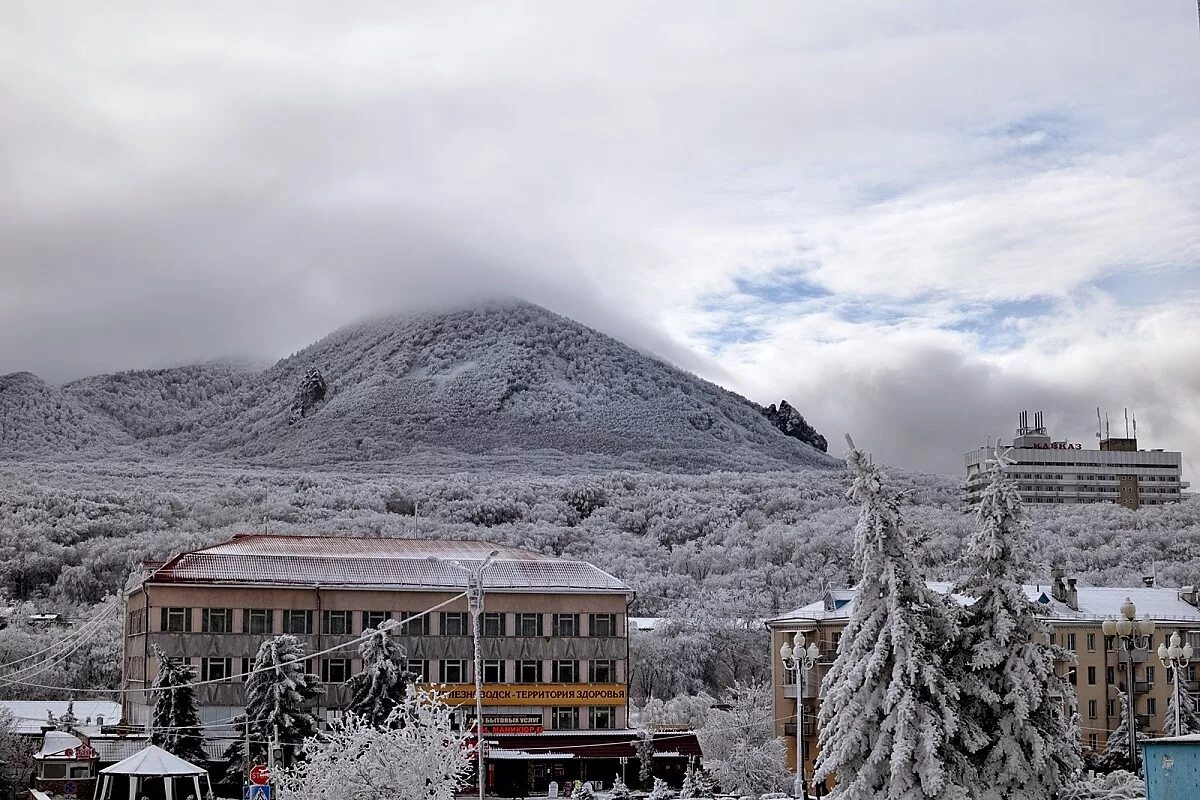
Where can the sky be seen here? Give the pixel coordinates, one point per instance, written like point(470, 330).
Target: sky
point(911, 220)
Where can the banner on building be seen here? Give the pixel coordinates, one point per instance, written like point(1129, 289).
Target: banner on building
point(534, 694)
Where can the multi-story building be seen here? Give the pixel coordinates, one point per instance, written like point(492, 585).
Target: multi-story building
point(555, 637)
point(1064, 473)
point(1074, 614)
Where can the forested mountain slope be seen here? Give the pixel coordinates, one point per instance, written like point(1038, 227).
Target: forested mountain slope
point(497, 380)
point(37, 419)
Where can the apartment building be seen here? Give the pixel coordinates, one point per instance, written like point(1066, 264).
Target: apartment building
point(555, 636)
point(1074, 614)
point(1051, 472)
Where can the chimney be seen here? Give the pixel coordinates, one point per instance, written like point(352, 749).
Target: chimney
point(1058, 589)
point(1188, 594)
point(1072, 594)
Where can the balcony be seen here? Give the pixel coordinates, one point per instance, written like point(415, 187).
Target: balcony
point(812, 689)
point(810, 728)
point(1141, 687)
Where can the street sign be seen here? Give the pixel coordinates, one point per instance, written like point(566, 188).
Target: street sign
point(260, 775)
point(256, 793)
point(71, 789)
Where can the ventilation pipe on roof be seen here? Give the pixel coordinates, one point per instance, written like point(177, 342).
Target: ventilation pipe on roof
point(1188, 594)
point(1058, 589)
point(1072, 594)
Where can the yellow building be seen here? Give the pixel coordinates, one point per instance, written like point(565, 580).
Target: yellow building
point(1074, 614)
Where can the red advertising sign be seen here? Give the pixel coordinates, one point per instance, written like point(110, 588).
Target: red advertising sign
point(85, 752)
point(500, 724)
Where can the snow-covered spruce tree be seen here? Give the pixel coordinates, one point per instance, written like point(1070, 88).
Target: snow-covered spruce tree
point(890, 713)
point(661, 791)
point(424, 757)
point(619, 790)
point(276, 694)
point(234, 756)
point(1116, 747)
point(1189, 718)
point(1013, 722)
point(175, 722)
point(644, 747)
point(584, 792)
point(381, 686)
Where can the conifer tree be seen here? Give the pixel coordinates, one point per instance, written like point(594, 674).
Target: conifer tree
point(234, 756)
point(1116, 747)
point(1189, 718)
point(890, 714)
point(619, 790)
point(175, 722)
point(1016, 711)
point(277, 692)
point(385, 679)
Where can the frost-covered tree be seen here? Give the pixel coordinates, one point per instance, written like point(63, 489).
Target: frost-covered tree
point(234, 755)
point(277, 692)
point(1016, 710)
point(383, 683)
point(1189, 718)
point(16, 756)
point(1119, 785)
point(584, 792)
point(661, 791)
point(619, 790)
point(739, 744)
point(425, 758)
point(644, 747)
point(175, 721)
point(890, 713)
point(696, 784)
point(1116, 747)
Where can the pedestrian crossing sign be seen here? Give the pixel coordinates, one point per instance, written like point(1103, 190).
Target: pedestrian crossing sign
point(256, 793)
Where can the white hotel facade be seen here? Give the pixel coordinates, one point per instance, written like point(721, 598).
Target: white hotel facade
point(1064, 473)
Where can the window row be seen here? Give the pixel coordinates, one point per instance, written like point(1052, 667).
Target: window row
point(566, 718)
point(338, 670)
point(335, 623)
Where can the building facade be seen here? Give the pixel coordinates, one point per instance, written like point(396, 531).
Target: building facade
point(1074, 614)
point(1051, 472)
point(555, 636)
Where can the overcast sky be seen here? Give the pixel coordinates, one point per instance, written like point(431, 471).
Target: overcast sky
point(909, 219)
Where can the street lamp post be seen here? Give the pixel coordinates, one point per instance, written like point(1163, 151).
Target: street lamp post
point(1131, 634)
point(1175, 657)
point(475, 606)
point(800, 659)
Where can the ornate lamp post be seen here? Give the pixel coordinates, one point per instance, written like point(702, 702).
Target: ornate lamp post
point(1175, 657)
point(800, 659)
point(1131, 634)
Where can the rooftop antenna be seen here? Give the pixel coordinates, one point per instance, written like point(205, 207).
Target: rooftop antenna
point(1135, 413)
point(1107, 427)
point(1127, 423)
point(1099, 424)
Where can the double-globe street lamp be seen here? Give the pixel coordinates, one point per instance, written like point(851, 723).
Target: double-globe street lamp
point(1175, 657)
point(800, 659)
point(475, 606)
point(1130, 634)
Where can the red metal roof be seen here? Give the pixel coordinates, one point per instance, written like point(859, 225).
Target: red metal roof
point(383, 563)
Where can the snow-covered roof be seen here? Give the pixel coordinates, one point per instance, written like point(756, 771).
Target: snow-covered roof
point(502, 754)
point(153, 761)
point(646, 623)
point(1095, 603)
point(380, 563)
point(31, 715)
point(57, 743)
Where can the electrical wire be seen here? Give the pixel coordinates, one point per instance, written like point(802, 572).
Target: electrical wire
point(96, 620)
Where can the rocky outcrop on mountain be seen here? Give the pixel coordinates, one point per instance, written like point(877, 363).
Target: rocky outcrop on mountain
point(309, 394)
point(793, 423)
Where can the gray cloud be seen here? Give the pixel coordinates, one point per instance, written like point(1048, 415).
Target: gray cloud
point(184, 183)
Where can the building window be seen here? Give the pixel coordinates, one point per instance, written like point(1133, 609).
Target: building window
point(1091, 642)
point(1091, 676)
point(335, 670)
point(414, 627)
point(453, 670)
point(565, 719)
point(529, 624)
point(215, 669)
point(493, 671)
point(602, 624)
point(604, 671)
point(1150, 676)
point(566, 624)
point(337, 623)
point(493, 623)
point(420, 669)
point(1109, 677)
point(247, 666)
point(373, 619)
point(529, 672)
point(216, 620)
point(602, 717)
point(176, 620)
point(1071, 642)
point(1091, 709)
point(258, 620)
point(566, 671)
point(1091, 741)
point(1053, 638)
point(454, 623)
point(297, 622)
point(1151, 706)
point(1110, 708)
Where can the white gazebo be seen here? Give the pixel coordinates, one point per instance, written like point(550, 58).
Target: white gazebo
point(153, 762)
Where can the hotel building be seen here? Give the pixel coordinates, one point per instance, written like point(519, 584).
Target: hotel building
point(555, 637)
point(1051, 472)
point(1074, 614)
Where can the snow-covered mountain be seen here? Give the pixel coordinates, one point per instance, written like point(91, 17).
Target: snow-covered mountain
point(502, 381)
